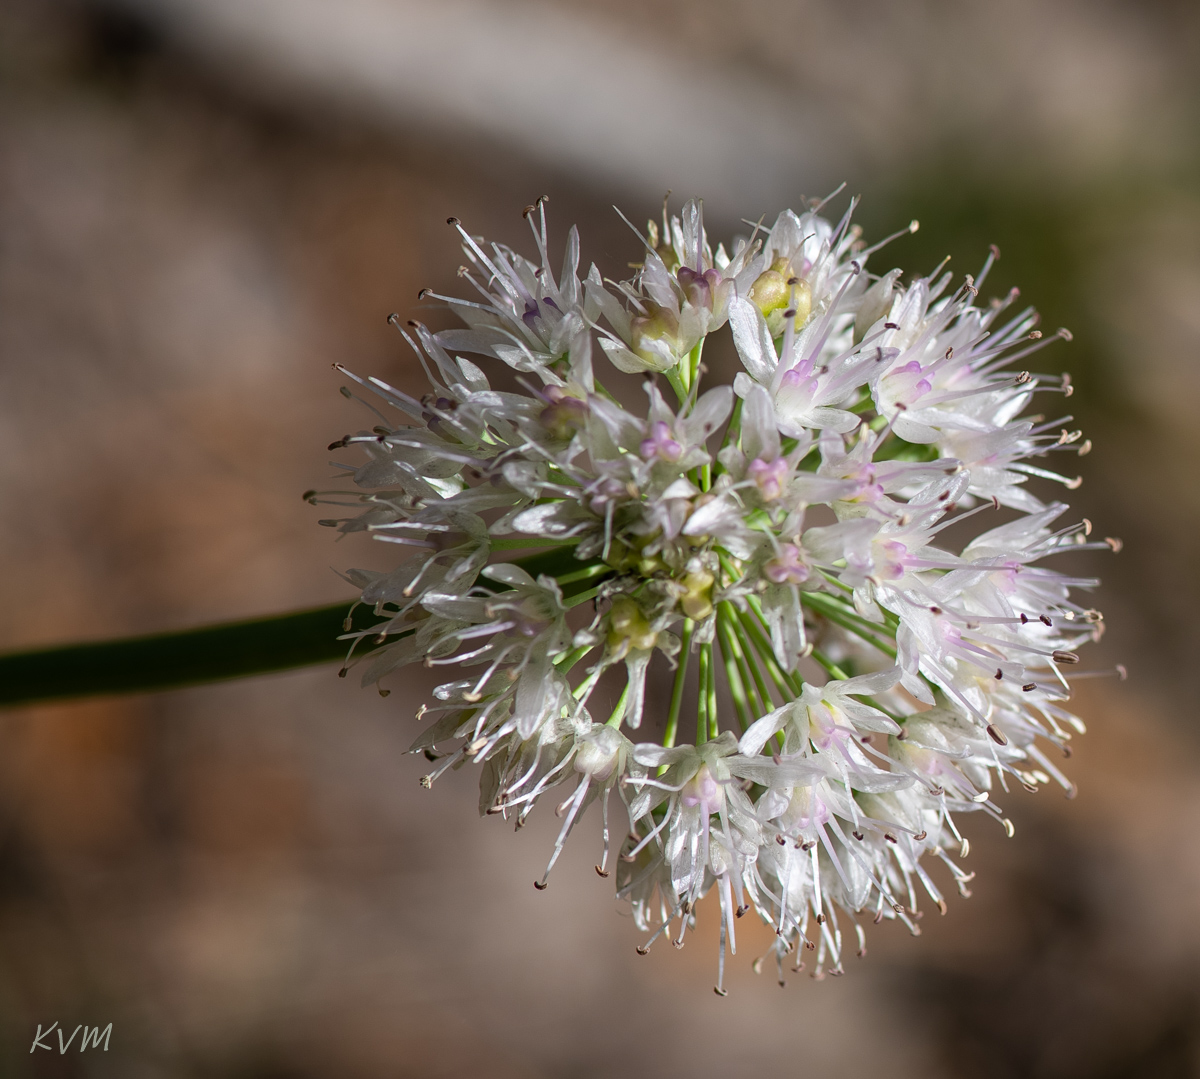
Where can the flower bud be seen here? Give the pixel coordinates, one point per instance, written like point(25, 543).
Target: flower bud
point(654, 337)
point(697, 598)
point(598, 753)
point(771, 477)
point(564, 415)
point(703, 790)
point(772, 294)
point(628, 627)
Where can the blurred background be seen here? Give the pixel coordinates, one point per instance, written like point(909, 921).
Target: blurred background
point(206, 203)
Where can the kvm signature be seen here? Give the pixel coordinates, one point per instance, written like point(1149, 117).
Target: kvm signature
point(92, 1035)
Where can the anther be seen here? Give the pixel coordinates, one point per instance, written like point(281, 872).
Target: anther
point(343, 672)
point(1065, 657)
point(1045, 620)
point(1024, 618)
point(1114, 544)
point(1029, 687)
point(541, 885)
point(920, 835)
point(889, 837)
point(453, 221)
point(999, 674)
point(423, 293)
point(720, 992)
point(601, 872)
point(857, 835)
point(820, 919)
point(891, 325)
point(997, 735)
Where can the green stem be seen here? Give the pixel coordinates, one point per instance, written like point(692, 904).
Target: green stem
point(793, 679)
point(186, 658)
point(834, 670)
point(582, 597)
point(585, 574)
point(227, 650)
point(766, 653)
point(733, 675)
point(759, 701)
point(850, 622)
point(694, 362)
point(618, 712)
point(568, 659)
point(714, 720)
point(685, 646)
point(732, 433)
point(702, 721)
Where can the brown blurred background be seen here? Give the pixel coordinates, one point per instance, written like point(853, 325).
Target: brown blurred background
point(205, 203)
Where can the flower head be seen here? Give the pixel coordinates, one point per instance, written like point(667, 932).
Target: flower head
point(771, 549)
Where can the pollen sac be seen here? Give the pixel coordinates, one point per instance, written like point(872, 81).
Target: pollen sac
point(628, 627)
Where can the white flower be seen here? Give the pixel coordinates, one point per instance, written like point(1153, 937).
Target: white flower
point(779, 544)
point(528, 319)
